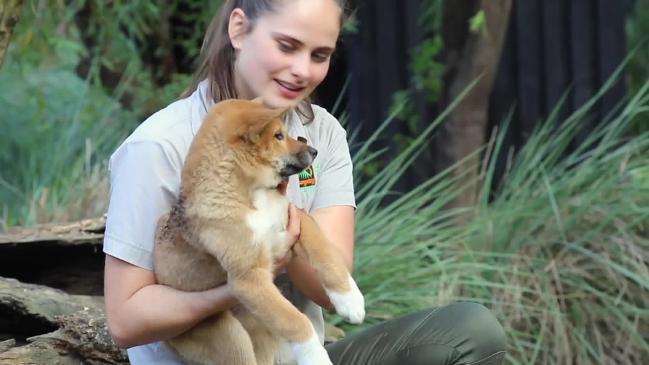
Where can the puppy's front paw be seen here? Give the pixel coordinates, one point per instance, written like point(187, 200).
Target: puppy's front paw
point(310, 352)
point(351, 304)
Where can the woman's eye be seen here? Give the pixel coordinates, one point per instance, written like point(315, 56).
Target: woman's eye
point(320, 57)
point(285, 46)
point(279, 136)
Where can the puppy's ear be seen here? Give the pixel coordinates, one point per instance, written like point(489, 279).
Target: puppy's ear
point(283, 112)
point(255, 119)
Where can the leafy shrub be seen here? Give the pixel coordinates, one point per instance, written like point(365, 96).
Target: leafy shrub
point(57, 130)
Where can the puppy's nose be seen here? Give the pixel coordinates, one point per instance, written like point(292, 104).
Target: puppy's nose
point(301, 139)
point(312, 151)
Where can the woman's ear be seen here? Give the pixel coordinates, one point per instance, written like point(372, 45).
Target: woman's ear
point(237, 27)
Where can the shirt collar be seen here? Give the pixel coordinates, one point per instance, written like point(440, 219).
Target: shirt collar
point(201, 101)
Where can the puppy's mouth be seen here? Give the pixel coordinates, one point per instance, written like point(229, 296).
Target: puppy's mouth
point(290, 169)
point(298, 162)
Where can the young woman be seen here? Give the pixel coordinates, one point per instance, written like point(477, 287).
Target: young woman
point(279, 50)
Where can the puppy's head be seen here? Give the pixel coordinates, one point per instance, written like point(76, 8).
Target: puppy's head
point(259, 136)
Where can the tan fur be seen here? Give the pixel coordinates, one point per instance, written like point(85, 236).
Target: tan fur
point(216, 233)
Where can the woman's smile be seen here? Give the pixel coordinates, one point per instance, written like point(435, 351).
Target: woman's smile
point(289, 90)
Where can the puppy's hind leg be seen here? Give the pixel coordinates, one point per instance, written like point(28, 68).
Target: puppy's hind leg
point(266, 343)
point(220, 339)
point(334, 276)
point(256, 291)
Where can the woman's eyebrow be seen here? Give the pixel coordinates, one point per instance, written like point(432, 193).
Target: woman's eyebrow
point(300, 43)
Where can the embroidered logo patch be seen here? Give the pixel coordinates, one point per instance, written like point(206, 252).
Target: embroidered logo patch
point(307, 178)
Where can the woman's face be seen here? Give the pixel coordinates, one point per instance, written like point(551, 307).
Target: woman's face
point(287, 53)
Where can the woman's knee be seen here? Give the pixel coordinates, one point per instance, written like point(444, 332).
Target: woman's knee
point(481, 329)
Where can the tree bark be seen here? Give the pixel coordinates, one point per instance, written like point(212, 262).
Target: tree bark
point(9, 14)
point(470, 55)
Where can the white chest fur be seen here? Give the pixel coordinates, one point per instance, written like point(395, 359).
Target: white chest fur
point(269, 219)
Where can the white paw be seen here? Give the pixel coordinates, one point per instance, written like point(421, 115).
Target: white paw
point(310, 352)
point(351, 304)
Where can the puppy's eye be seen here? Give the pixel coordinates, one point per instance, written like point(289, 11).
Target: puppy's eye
point(279, 136)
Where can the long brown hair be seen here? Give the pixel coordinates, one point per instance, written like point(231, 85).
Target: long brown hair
point(217, 54)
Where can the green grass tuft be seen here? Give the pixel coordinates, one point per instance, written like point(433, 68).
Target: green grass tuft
point(558, 250)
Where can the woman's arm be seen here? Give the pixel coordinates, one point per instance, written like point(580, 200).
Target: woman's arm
point(337, 223)
point(140, 311)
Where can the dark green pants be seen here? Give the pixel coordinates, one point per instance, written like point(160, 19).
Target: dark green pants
point(460, 333)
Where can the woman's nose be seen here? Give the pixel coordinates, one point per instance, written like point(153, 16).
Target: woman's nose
point(302, 66)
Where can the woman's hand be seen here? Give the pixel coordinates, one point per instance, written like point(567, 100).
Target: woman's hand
point(292, 235)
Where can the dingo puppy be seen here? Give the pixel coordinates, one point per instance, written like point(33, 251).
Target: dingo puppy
point(229, 225)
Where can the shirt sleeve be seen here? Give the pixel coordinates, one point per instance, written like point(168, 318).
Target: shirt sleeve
point(144, 184)
point(335, 182)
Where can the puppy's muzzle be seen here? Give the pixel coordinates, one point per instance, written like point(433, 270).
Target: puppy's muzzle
point(300, 160)
point(310, 149)
point(312, 152)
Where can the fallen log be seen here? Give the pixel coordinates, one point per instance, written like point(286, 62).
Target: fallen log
point(62, 328)
point(46, 325)
point(87, 231)
point(6, 345)
point(63, 256)
point(42, 302)
point(37, 354)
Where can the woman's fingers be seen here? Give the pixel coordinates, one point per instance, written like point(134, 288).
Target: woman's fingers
point(293, 227)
